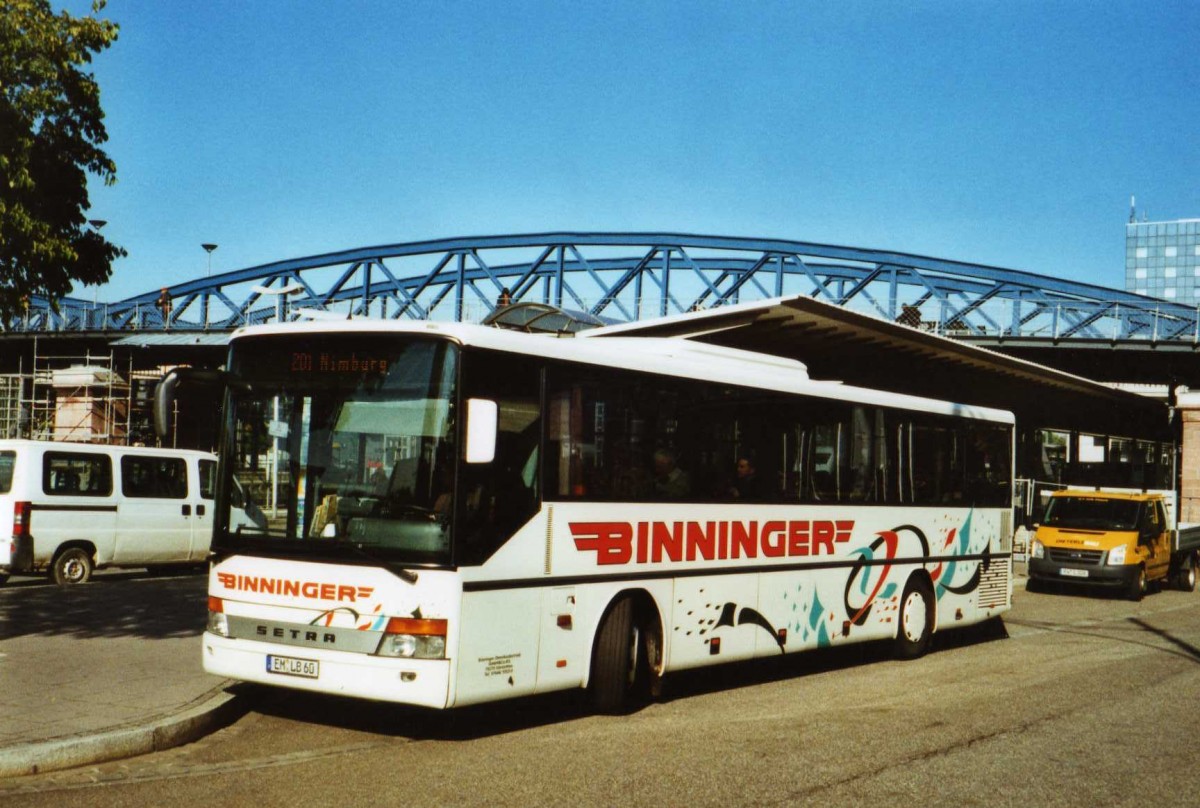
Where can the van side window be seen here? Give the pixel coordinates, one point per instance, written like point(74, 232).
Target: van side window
point(67, 474)
point(154, 477)
point(7, 461)
point(208, 478)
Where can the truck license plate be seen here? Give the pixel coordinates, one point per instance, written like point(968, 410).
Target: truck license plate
point(1073, 573)
point(290, 666)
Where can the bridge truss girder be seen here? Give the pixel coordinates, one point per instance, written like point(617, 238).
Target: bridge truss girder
point(631, 276)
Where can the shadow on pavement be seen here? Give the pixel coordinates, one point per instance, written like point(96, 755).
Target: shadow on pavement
point(127, 605)
point(1187, 648)
point(498, 718)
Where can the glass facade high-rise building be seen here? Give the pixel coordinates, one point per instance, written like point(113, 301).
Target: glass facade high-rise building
point(1162, 259)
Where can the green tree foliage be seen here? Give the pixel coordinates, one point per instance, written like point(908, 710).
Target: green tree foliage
point(51, 131)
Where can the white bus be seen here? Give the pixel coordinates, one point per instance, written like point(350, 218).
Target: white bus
point(468, 514)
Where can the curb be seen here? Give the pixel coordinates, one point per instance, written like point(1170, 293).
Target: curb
point(210, 712)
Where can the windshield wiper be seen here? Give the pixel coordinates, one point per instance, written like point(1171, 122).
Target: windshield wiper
point(406, 575)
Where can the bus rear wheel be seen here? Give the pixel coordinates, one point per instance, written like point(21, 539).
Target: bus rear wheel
point(915, 620)
point(621, 671)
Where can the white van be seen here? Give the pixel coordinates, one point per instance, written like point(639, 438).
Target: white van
point(74, 507)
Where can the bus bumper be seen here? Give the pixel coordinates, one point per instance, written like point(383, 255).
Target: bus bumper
point(421, 682)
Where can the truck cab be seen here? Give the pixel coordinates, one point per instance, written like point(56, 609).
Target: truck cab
point(1119, 539)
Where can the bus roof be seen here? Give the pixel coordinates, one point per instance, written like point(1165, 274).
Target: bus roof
point(669, 356)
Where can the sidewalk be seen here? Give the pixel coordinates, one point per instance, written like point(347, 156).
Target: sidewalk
point(109, 671)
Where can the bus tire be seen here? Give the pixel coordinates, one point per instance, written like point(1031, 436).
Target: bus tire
point(620, 668)
point(1138, 586)
point(914, 620)
point(1186, 578)
point(3, 578)
point(72, 566)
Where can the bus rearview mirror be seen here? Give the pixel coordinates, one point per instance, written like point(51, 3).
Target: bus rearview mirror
point(167, 391)
point(482, 420)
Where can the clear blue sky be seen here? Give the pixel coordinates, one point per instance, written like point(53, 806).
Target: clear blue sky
point(1008, 133)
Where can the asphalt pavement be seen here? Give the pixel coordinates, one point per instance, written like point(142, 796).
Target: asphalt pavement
point(106, 670)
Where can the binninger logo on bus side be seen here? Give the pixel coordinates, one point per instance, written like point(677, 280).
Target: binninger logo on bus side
point(653, 542)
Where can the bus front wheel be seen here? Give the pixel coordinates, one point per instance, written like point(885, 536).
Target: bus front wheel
point(915, 620)
point(620, 662)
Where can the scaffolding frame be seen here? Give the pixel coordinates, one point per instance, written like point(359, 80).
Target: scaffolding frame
point(93, 398)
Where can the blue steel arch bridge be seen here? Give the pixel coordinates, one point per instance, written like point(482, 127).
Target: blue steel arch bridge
point(623, 277)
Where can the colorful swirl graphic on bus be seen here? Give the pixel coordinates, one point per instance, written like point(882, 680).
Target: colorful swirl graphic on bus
point(871, 590)
point(870, 576)
point(865, 584)
point(944, 574)
point(374, 622)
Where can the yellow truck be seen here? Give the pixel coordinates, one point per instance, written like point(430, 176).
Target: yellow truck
point(1120, 539)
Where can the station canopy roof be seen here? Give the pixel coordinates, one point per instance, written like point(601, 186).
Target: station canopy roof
point(840, 345)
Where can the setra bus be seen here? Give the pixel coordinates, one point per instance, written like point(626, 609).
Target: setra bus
point(459, 513)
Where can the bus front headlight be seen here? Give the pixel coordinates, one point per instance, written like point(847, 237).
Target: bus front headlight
point(218, 623)
point(414, 638)
point(1116, 556)
point(1037, 549)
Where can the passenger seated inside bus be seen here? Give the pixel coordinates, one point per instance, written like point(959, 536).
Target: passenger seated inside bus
point(670, 481)
point(746, 486)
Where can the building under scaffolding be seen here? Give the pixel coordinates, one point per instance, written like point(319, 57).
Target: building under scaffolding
point(89, 398)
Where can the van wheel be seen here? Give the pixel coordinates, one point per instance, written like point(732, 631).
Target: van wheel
point(915, 620)
point(620, 663)
point(1186, 579)
point(3, 578)
point(72, 566)
point(1138, 586)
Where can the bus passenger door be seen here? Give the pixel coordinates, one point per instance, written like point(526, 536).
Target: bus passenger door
point(498, 645)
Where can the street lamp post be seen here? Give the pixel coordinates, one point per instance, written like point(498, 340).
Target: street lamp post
point(96, 225)
point(208, 248)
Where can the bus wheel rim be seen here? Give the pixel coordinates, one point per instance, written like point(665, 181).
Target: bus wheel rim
point(915, 617)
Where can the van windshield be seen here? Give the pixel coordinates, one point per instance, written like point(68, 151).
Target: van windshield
point(347, 445)
point(1092, 513)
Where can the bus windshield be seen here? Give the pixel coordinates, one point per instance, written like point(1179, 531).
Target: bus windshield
point(347, 442)
point(1092, 513)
